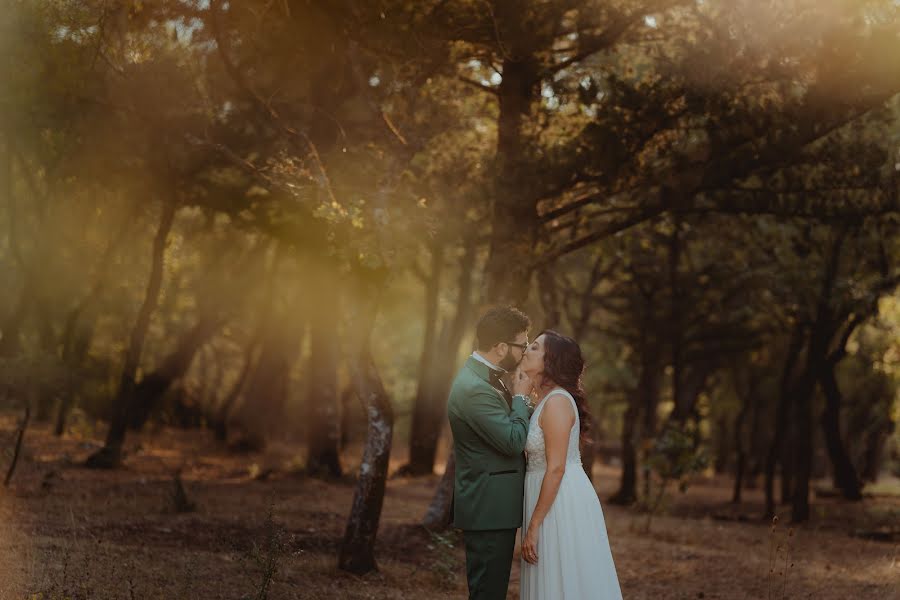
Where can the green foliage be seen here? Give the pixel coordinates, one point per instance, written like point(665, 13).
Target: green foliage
point(444, 563)
point(265, 556)
point(675, 457)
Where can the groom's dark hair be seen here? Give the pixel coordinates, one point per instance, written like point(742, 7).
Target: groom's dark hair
point(500, 324)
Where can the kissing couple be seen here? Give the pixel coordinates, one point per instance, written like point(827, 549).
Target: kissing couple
point(518, 464)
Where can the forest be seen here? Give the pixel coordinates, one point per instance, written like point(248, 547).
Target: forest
point(244, 245)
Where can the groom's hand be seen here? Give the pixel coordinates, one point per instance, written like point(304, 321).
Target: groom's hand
point(522, 383)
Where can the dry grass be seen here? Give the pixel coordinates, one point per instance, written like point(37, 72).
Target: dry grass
point(69, 532)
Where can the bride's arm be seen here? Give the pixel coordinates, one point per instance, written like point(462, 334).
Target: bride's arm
point(556, 420)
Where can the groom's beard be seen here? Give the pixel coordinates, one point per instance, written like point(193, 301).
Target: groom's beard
point(508, 363)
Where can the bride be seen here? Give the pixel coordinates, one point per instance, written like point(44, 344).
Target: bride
point(565, 549)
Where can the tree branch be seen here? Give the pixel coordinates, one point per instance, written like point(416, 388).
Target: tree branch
point(611, 35)
point(481, 87)
point(608, 230)
point(265, 106)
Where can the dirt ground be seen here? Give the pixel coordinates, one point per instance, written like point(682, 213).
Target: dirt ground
point(67, 532)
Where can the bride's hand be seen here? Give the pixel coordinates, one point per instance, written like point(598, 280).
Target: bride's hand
point(529, 546)
point(522, 383)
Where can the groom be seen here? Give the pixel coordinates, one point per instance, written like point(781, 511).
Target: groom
point(489, 427)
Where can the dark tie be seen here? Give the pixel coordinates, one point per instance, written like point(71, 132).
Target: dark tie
point(498, 384)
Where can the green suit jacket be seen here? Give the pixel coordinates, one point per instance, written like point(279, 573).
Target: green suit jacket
point(489, 441)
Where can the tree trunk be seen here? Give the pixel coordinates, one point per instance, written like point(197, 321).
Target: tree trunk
point(740, 452)
point(77, 335)
point(431, 399)
point(73, 358)
point(514, 222)
point(724, 444)
point(627, 493)
point(788, 463)
point(10, 341)
point(45, 399)
point(757, 455)
point(220, 421)
point(781, 417)
point(845, 477)
point(224, 419)
point(155, 384)
point(649, 389)
point(17, 450)
point(803, 450)
point(266, 391)
point(423, 437)
point(323, 432)
point(873, 455)
point(643, 401)
point(680, 410)
point(427, 418)
point(110, 455)
point(440, 511)
point(819, 343)
point(357, 553)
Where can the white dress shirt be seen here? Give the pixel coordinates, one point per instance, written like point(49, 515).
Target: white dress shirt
point(485, 361)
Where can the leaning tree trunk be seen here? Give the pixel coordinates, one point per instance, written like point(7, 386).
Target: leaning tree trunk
point(17, 449)
point(155, 384)
point(74, 356)
point(110, 455)
point(422, 437)
point(429, 409)
point(323, 402)
point(265, 394)
point(219, 420)
point(222, 419)
point(357, 553)
point(77, 335)
point(845, 477)
point(440, 511)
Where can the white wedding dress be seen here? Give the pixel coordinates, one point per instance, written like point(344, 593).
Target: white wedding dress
point(574, 559)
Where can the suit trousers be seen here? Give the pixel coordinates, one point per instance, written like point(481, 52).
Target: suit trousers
point(489, 557)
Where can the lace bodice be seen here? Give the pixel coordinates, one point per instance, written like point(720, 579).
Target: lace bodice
point(534, 445)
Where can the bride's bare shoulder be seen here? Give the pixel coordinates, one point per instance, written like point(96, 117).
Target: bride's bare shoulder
point(557, 410)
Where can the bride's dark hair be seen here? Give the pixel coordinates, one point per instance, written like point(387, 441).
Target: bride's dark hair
point(564, 366)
